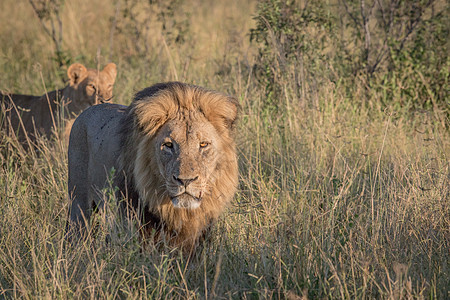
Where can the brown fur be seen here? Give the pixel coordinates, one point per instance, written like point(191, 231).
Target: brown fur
point(153, 108)
point(29, 117)
point(175, 157)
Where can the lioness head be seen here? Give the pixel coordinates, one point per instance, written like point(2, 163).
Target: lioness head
point(88, 87)
point(186, 132)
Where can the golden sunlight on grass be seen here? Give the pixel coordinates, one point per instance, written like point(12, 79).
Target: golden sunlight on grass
point(344, 162)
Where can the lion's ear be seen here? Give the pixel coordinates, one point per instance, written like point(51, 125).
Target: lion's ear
point(111, 70)
point(151, 115)
point(222, 111)
point(76, 72)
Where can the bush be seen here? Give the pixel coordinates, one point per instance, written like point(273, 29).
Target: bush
point(394, 47)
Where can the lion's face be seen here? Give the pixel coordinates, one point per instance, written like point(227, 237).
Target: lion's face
point(88, 87)
point(97, 87)
point(187, 155)
point(184, 159)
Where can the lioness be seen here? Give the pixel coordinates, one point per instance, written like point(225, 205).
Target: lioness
point(28, 117)
point(174, 153)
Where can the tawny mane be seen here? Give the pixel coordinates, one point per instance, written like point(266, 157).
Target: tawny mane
point(139, 176)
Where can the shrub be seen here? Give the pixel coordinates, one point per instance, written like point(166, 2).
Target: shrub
point(394, 47)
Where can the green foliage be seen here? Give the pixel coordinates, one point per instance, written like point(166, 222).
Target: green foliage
point(418, 74)
point(288, 35)
point(398, 47)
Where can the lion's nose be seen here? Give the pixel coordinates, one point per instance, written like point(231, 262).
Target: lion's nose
point(184, 181)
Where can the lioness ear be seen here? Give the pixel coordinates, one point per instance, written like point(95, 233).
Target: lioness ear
point(111, 70)
point(76, 72)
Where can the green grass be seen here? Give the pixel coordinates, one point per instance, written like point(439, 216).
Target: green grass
point(336, 200)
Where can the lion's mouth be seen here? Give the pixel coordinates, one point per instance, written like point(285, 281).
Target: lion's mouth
point(186, 200)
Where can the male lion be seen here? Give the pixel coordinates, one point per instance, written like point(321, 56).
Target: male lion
point(175, 157)
point(29, 117)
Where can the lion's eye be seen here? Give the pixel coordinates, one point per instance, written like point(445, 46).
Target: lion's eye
point(168, 145)
point(204, 144)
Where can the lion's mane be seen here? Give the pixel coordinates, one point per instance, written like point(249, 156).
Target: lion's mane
point(139, 179)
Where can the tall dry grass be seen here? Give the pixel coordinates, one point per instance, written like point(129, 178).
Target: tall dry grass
point(335, 200)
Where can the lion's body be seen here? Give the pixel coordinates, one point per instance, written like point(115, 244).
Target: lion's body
point(28, 117)
point(173, 153)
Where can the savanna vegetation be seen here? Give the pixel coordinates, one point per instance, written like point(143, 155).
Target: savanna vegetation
point(343, 145)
